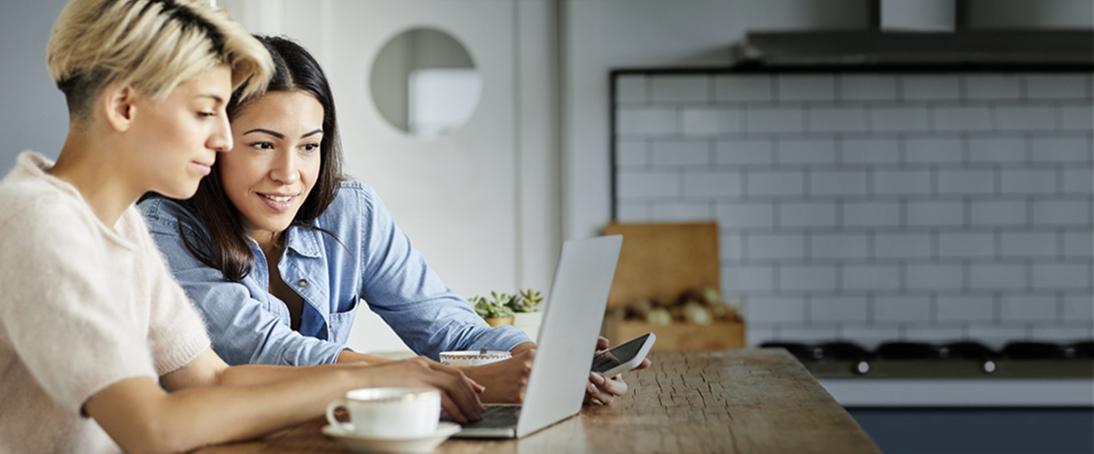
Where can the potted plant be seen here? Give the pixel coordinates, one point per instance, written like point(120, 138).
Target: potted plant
point(496, 312)
point(526, 314)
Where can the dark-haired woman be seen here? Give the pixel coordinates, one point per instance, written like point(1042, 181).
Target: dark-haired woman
point(276, 249)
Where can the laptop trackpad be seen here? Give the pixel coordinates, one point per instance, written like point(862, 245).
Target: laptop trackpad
point(497, 421)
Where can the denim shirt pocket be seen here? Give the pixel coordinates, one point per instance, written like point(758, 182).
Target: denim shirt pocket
point(342, 322)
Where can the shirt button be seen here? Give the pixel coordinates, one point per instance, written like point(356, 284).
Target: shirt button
point(303, 282)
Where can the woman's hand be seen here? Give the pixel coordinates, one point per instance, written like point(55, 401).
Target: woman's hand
point(459, 394)
point(506, 380)
point(603, 390)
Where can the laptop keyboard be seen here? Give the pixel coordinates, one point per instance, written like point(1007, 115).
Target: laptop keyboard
point(497, 417)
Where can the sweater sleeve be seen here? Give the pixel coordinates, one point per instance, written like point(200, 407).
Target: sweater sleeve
point(63, 313)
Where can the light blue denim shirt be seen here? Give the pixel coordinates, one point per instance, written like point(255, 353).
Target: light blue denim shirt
point(375, 261)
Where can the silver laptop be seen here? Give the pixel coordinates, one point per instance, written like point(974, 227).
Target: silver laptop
point(567, 338)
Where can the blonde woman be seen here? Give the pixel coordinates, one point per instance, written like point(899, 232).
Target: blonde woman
point(100, 350)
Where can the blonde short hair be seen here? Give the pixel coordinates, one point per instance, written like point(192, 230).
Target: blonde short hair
point(152, 45)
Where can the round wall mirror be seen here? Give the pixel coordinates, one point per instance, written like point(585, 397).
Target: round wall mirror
point(424, 83)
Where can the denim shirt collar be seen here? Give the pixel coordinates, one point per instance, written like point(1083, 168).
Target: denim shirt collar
point(303, 241)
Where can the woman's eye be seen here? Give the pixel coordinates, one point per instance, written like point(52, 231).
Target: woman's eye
point(311, 147)
point(207, 114)
point(262, 145)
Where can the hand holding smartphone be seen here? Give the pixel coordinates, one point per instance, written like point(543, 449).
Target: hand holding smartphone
point(624, 357)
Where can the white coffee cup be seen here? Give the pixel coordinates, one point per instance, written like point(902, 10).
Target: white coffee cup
point(389, 412)
point(473, 357)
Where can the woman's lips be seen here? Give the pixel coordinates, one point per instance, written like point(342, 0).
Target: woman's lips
point(278, 202)
point(203, 168)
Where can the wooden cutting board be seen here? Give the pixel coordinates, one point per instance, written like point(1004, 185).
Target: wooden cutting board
point(663, 260)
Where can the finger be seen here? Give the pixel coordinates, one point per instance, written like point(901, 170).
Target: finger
point(645, 363)
point(614, 386)
point(596, 394)
point(465, 392)
point(602, 343)
point(452, 409)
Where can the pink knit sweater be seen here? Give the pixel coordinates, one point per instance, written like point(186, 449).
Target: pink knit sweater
point(82, 306)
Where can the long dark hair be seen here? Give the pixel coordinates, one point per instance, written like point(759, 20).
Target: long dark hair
point(224, 244)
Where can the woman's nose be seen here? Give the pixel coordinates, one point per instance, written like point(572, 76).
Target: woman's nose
point(221, 140)
point(284, 169)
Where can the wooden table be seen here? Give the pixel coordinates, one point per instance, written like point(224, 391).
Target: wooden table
point(729, 401)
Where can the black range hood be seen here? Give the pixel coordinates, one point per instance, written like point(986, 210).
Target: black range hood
point(1020, 49)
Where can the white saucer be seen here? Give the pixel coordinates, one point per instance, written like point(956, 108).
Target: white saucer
point(362, 443)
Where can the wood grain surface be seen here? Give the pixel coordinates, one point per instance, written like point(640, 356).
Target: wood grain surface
point(731, 401)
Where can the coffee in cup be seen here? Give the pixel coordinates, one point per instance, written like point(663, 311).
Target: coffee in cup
point(389, 412)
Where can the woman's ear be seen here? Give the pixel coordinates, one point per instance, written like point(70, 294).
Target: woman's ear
point(119, 106)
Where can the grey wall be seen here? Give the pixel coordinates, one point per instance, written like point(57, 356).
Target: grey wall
point(33, 115)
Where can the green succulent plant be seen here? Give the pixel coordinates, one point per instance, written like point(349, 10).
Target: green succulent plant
point(526, 301)
point(496, 308)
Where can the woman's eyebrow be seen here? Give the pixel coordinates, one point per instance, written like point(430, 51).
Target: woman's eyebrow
point(317, 131)
point(267, 131)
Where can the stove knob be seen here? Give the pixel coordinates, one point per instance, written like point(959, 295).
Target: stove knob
point(989, 366)
point(862, 368)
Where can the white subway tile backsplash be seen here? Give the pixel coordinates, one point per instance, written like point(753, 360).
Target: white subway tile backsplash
point(774, 246)
point(807, 214)
point(966, 181)
point(807, 278)
point(1055, 86)
point(632, 184)
point(966, 245)
point(1079, 244)
point(1078, 308)
point(774, 120)
point(743, 88)
point(902, 182)
point(746, 215)
point(997, 149)
point(680, 212)
point(1027, 308)
point(838, 246)
point(933, 150)
point(992, 87)
point(1061, 212)
point(680, 89)
point(757, 335)
point(934, 277)
point(838, 182)
point(1025, 118)
point(1077, 117)
point(1061, 275)
point(632, 153)
point(776, 310)
point(805, 88)
point(708, 184)
point(902, 245)
point(902, 309)
point(873, 207)
point(871, 214)
point(940, 87)
point(998, 213)
point(870, 151)
point(899, 119)
point(632, 212)
point(934, 335)
point(1059, 334)
point(867, 87)
point(1027, 181)
point(871, 277)
point(729, 247)
point(709, 121)
point(962, 118)
point(744, 152)
point(759, 278)
point(631, 89)
point(847, 309)
point(1061, 149)
point(681, 153)
point(779, 183)
point(646, 121)
point(837, 119)
point(983, 276)
point(1028, 244)
point(807, 151)
point(966, 308)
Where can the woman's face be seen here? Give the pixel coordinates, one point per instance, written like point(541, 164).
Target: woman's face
point(275, 162)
